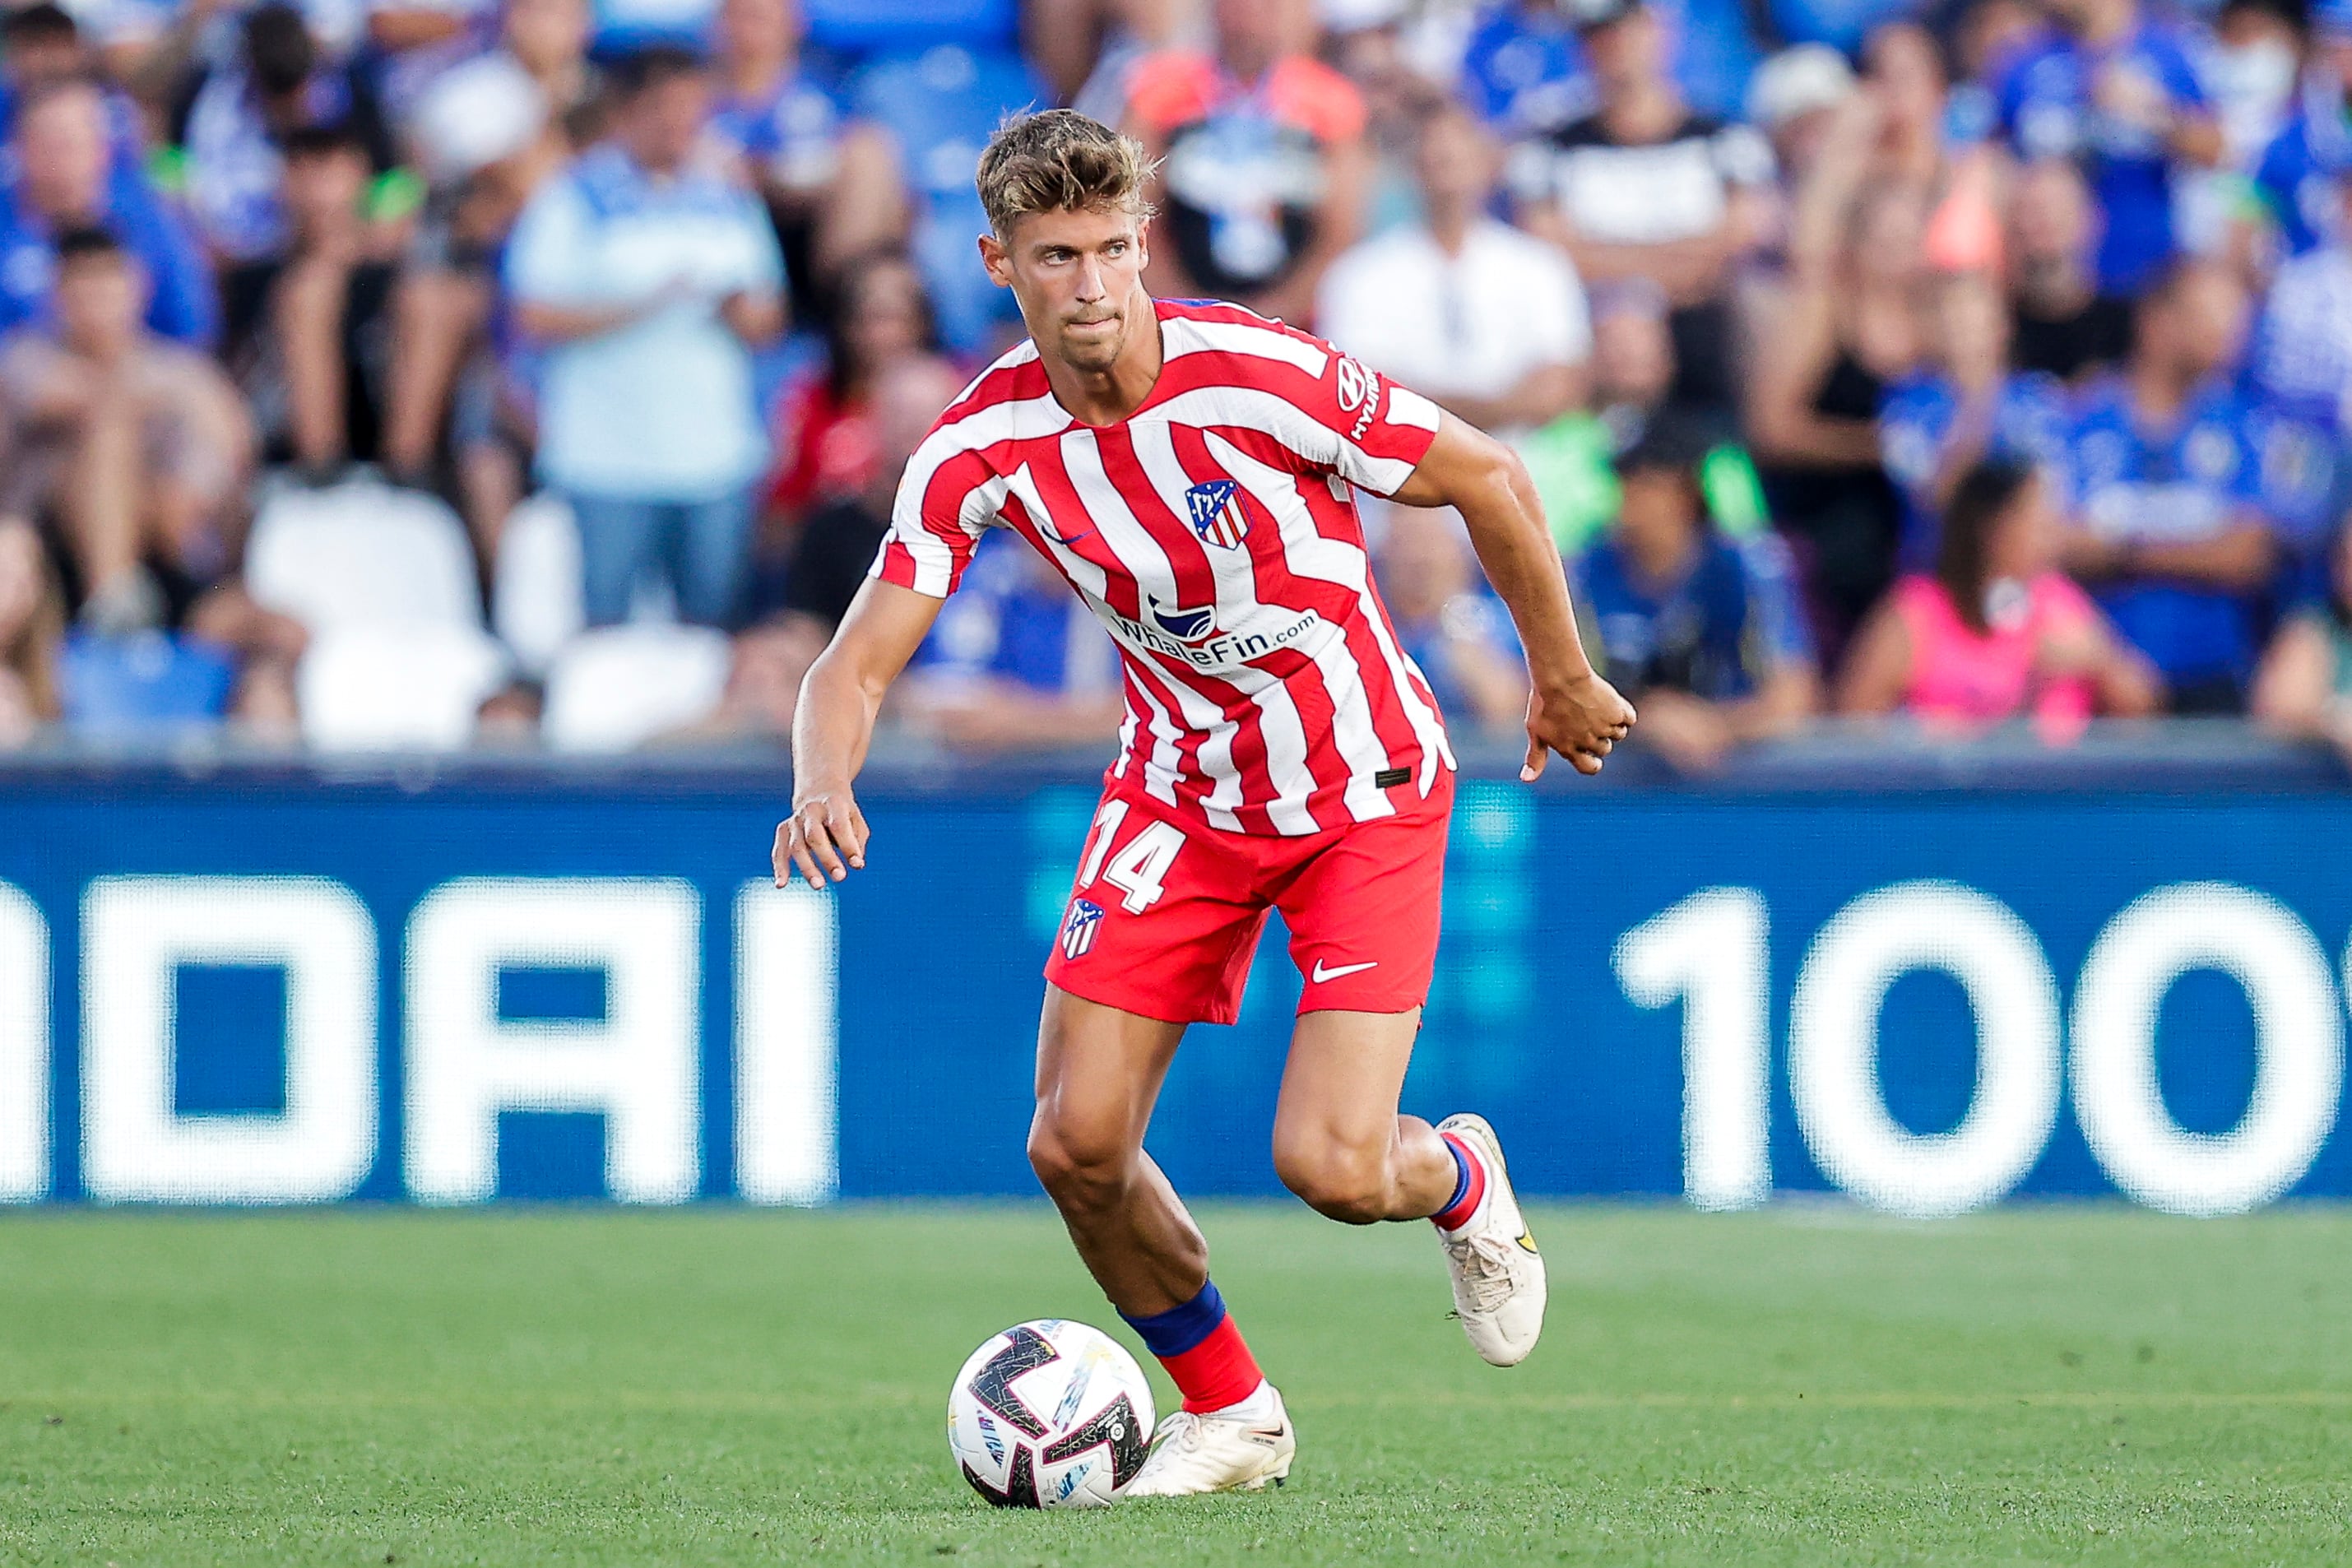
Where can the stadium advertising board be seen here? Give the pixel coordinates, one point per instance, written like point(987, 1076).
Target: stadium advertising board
point(243, 990)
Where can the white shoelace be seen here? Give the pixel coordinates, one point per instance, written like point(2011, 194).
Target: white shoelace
point(1484, 1265)
point(1182, 1429)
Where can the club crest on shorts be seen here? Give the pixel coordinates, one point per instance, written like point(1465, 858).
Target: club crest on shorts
point(1078, 928)
point(1217, 514)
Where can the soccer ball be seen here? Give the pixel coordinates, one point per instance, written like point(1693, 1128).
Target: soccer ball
point(1050, 1413)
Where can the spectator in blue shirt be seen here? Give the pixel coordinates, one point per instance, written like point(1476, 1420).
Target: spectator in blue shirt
point(2168, 529)
point(1015, 660)
point(2299, 172)
point(1523, 72)
point(41, 44)
point(2118, 92)
point(60, 176)
point(647, 276)
point(830, 182)
point(1702, 632)
point(236, 126)
point(2301, 377)
point(1937, 423)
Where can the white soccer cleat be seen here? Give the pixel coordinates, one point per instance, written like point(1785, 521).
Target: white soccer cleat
point(1498, 1276)
point(1217, 1453)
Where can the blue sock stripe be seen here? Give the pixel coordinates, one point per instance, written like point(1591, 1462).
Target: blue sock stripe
point(1461, 1175)
point(1179, 1329)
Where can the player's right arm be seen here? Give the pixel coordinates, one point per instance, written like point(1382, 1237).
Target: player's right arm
point(825, 835)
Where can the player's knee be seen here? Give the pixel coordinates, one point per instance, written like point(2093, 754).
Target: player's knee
point(1346, 1185)
point(1079, 1167)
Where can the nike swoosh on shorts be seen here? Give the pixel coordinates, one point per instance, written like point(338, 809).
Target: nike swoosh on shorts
point(1321, 974)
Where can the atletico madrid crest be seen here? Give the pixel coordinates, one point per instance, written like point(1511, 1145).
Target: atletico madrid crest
point(1078, 928)
point(1217, 514)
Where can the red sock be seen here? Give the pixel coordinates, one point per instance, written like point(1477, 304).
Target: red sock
point(1218, 1371)
point(1456, 1215)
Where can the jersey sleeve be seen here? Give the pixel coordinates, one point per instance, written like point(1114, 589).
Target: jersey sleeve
point(948, 500)
point(1363, 427)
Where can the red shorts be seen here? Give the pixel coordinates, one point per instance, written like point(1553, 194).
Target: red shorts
point(1164, 917)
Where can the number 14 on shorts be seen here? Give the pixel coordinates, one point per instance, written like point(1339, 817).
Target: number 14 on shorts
point(1140, 869)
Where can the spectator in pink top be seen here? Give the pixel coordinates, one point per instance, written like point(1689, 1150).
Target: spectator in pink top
point(1997, 632)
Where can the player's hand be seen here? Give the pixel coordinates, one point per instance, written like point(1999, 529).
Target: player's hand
point(824, 837)
point(1582, 720)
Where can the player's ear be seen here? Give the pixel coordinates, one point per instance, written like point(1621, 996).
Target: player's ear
point(993, 257)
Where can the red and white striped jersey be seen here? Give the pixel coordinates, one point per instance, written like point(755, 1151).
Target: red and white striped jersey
point(1214, 534)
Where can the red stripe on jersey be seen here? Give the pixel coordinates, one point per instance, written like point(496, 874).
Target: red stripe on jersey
point(1274, 645)
point(1188, 558)
point(1273, 582)
point(1337, 519)
point(896, 563)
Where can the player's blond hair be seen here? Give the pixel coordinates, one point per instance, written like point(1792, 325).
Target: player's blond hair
point(1060, 160)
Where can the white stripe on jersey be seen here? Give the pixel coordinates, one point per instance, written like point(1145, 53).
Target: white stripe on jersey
point(1254, 408)
point(1189, 335)
point(1021, 353)
point(934, 561)
point(1285, 734)
point(1407, 407)
point(1238, 608)
point(1155, 579)
point(1311, 554)
point(1167, 764)
point(982, 428)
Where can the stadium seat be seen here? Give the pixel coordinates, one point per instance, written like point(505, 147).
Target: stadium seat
point(115, 688)
point(535, 598)
point(942, 105)
point(363, 553)
point(619, 687)
point(395, 689)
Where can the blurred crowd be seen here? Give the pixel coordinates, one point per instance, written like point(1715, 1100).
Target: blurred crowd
point(420, 373)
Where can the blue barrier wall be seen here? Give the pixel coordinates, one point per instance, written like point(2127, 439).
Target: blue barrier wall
point(263, 987)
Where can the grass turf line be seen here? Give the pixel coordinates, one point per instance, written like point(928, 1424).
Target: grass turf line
point(1801, 1386)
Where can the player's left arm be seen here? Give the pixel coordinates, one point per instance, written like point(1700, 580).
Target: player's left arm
point(1571, 710)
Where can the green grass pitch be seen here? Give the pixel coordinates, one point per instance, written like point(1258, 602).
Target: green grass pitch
point(1803, 1386)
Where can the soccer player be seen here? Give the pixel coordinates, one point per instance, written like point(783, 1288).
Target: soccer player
point(1187, 466)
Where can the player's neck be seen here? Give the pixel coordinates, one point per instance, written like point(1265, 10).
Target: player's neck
point(1106, 397)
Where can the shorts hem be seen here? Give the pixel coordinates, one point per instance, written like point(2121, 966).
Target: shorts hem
point(1111, 994)
point(1322, 1005)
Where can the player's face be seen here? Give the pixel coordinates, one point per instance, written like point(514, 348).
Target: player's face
point(1078, 277)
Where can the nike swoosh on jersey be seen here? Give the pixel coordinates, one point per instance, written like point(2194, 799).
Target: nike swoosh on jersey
point(1321, 974)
